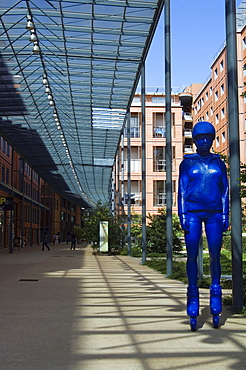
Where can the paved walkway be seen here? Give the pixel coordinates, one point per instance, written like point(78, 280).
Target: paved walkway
point(72, 310)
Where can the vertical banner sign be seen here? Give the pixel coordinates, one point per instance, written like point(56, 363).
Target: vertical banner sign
point(103, 236)
point(6, 203)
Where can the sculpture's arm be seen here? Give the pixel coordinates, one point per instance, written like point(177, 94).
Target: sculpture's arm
point(225, 198)
point(183, 184)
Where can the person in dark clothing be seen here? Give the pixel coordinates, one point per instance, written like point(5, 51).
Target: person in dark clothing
point(73, 241)
point(45, 242)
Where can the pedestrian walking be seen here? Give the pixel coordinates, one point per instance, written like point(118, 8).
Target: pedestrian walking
point(45, 242)
point(73, 241)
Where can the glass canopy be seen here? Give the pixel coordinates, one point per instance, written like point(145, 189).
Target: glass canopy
point(68, 73)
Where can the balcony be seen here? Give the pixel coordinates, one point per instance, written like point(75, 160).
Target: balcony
point(188, 149)
point(159, 132)
point(188, 133)
point(135, 165)
point(134, 132)
point(187, 117)
point(135, 199)
point(160, 199)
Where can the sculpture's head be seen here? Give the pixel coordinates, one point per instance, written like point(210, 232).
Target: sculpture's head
point(203, 135)
point(203, 128)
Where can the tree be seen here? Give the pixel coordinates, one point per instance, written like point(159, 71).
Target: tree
point(156, 232)
point(136, 229)
point(78, 231)
point(91, 223)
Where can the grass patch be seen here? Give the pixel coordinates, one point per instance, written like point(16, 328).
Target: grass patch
point(158, 263)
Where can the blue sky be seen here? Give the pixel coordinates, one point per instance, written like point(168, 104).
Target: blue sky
point(197, 33)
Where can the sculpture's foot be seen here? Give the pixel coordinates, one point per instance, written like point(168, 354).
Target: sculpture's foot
point(215, 304)
point(215, 300)
point(193, 324)
point(216, 321)
point(193, 305)
point(192, 301)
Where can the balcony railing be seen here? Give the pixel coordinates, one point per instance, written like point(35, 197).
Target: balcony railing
point(187, 116)
point(160, 166)
point(160, 199)
point(135, 165)
point(135, 199)
point(188, 149)
point(159, 131)
point(134, 132)
point(188, 132)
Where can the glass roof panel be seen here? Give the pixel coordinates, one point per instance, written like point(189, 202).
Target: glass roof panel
point(70, 69)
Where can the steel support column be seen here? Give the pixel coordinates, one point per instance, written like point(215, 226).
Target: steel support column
point(128, 184)
point(143, 164)
point(168, 137)
point(236, 212)
point(122, 190)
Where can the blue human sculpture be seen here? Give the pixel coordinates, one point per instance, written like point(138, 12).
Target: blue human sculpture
point(203, 198)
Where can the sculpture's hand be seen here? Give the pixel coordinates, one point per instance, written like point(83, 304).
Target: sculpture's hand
point(225, 221)
point(184, 222)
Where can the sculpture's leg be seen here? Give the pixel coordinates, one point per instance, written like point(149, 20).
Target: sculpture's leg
point(214, 235)
point(193, 305)
point(192, 239)
point(215, 303)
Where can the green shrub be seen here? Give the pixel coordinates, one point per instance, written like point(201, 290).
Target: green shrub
point(226, 244)
point(157, 236)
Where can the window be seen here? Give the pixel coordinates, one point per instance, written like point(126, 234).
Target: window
point(27, 212)
point(211, 111)
point(7, 175)
point(217, 141)
point(210, 91)
point(134, 126)
point(216, 95)
point(223, 137)
point(158, 100)
point(136, 188)
point(207, 116)
point(159, 159)
point(4, 146)
point(136, 99)
point(27, 169)
point(206, 96)
point(221, 66)
point(159, 192)
point(216, 118)
point(35, 176)
point(35, 215)
point(215, 73)
point(3, 173)
point(159, 125)
point(8, 150)
point(222, 89)
point(223, 113)
point(244, 42)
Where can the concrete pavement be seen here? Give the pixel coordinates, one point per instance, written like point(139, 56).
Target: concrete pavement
point(72, 310)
